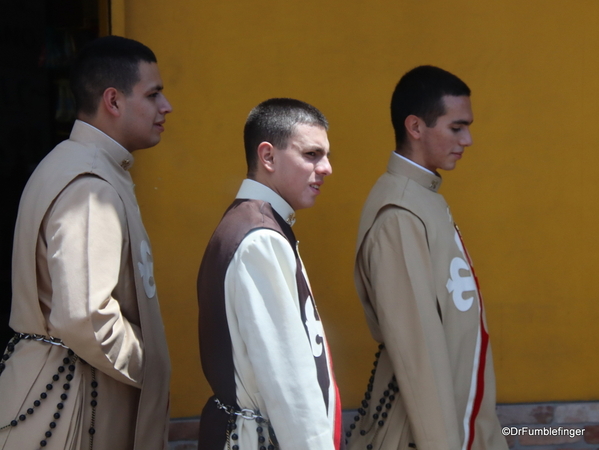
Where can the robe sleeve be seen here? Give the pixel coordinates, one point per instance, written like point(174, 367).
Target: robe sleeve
point(85, 231)
point(262, 302)
point(396, 258)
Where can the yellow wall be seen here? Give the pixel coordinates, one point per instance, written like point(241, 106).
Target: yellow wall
point(524, 195)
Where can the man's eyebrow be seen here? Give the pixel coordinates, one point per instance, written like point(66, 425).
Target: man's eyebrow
point(463, 122)
point(158, 87)
point(320, 149)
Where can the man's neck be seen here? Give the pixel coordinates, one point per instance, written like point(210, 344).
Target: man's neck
point(408, 159)
point(101, 123)
point(88, 124)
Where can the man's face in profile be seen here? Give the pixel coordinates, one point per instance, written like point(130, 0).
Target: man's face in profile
point(443, 144)
point(144, 110)
point(300, 168)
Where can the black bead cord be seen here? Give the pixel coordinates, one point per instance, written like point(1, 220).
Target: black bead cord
point(10, 348)
point(93, 403)
point(385, 404)
point(68, 363)
point(264, 443)
point(231, 426)
point(69, 360)
point(261, 439)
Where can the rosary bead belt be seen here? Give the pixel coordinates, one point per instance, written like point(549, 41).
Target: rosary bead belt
point(67, 368)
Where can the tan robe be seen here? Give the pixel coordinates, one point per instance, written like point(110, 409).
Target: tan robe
point(421, 299)
point(82, 273)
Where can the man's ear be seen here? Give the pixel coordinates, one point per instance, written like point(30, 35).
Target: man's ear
point(414, 126)
point(110, 101)
point(266, 156)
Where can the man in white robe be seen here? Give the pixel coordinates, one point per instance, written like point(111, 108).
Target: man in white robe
point(262, 343)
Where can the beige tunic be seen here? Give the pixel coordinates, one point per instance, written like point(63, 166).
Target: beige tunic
point(82, 272)
point(421, 299)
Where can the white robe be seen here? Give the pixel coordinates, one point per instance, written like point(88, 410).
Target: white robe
point(275, 371)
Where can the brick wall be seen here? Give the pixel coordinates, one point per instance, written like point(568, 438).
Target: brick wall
point(529, 426)
point(183, 434)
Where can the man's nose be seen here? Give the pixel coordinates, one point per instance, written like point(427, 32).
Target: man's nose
point(166, 106)
point(324, 166)
point(466, 140)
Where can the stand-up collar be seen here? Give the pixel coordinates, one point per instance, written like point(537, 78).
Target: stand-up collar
point(401, 166)
point(87, 134)
point(251, 189)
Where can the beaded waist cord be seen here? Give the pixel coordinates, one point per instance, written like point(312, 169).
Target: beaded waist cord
point(68, 366)
point(247, 414)
point(381, 411)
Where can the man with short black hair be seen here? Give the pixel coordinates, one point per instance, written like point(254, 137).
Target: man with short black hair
point(262, 343)
point(433, 386)
point(89, 366)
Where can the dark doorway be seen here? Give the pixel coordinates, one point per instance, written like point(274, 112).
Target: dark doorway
point(38, 40)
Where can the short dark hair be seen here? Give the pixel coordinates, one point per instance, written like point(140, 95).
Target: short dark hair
point(274, 121)
point(420, 92)
point(110, 61)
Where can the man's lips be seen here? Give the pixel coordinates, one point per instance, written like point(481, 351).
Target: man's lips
point(316, 186)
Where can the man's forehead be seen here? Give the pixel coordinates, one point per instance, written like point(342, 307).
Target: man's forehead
point(453, 100)
point(311, 135)
point(458, 108)
point(306, 128)
point(149, 73)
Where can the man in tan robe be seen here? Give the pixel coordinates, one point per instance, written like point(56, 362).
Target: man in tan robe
point(89, 366)
point(433, 387)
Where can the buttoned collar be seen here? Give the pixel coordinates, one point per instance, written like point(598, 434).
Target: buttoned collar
point(87, 134)
point(251, 189)
point(400, 165)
